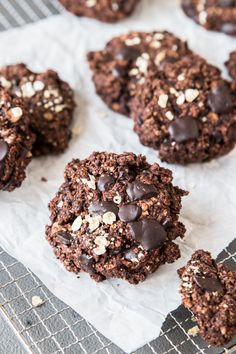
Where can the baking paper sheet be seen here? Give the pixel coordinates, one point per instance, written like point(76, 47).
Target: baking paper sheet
point(128, 315)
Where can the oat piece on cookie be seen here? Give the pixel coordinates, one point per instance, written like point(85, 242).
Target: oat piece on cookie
point(50, 102)
point(116, 216)
point(209, 291)
point(126, 61)
point(16, 141)
point(102, 10)
point(187, 112)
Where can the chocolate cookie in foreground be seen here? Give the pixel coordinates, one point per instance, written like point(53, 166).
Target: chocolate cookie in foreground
point(102, 10)
point(126, 61)
point(116, 216)
point(50, 102)
point(216, 15)
point(16, 141)
point(209, 291)
point(187, 112)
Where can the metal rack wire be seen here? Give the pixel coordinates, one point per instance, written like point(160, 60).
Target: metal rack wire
point(54, 327)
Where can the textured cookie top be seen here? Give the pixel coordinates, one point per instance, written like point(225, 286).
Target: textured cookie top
point(103, 10)
point(116, 209)
point(187, 112)
point(15, 140)
point(218, 15)
point(49, 100)
point(126, 61)
point(209, 290)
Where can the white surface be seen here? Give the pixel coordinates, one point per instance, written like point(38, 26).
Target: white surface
point(128, 315)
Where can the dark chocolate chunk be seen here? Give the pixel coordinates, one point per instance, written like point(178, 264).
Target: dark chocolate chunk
point(128, 53)
point(209, 284)
point(86, 263)
point(226, 3)
point(184, 129)
point(65, 237)
point(149, 233)
point(3, 150)
point(105, 182)
point(229, 28)
point(129, 212)
point(103, 207)
point(138, 190)
point(220, 99)
point(119, 71)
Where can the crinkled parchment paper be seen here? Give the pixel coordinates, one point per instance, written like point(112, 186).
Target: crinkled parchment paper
point(128, 315)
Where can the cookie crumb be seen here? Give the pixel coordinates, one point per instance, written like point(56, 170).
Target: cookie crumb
point(36, 301)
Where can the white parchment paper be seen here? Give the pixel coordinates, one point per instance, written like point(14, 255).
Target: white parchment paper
point(128, 315)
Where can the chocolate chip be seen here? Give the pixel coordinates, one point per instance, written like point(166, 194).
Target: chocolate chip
point(86, 263)
point(209, 284)
point(229, 28)
point(220, 100)
point(167, 224)
point(103, 207)
point(65, 237)
point(183, 129)
point(227, 3)
point(105, 182)
point(129, 212)
point(3, 150)
point(138, 190)
point(149, 233)
point(119, 71)
point(128, 53)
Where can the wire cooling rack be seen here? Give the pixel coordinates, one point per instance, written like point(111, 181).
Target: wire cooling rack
point(54, 327)
point(15, 13)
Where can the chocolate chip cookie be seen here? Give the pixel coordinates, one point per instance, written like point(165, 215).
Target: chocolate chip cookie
point(116, 216)
point(209, 291)
point(16, 141)
point(126, 61)
point(187, 112)
point(50, 102)
point(102, 10)
point(216, 15)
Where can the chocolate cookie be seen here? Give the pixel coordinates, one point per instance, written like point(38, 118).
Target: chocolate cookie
point(16, 141)
point(50, 102)
point(187, 112)
point(126, 61)
point(116, 216)
point(103, 10)
point(209, 291)
point(216, 15)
